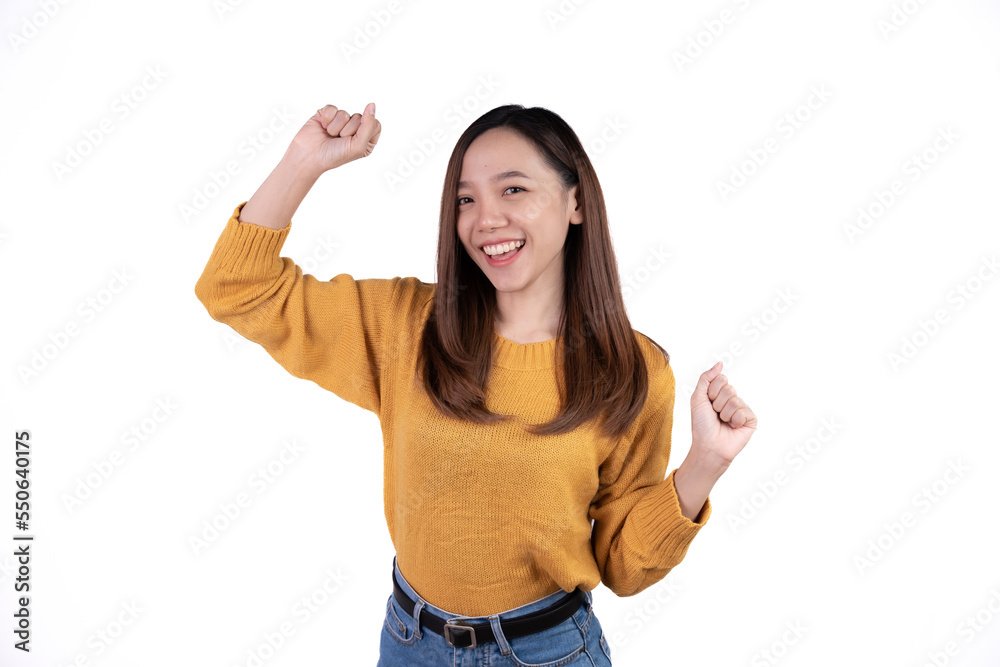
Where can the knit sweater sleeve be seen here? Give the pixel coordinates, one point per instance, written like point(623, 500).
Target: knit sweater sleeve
point(329, 332)
point(639, 531)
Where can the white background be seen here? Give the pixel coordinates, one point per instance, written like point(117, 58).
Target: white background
point(663, 133)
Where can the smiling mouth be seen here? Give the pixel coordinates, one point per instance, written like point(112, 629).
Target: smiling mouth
point(503, 255)
point(499, 257)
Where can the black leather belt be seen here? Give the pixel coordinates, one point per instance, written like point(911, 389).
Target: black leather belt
point(465, 635)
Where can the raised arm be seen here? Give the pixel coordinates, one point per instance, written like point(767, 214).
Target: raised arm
point(330, 332)
point(331, 138)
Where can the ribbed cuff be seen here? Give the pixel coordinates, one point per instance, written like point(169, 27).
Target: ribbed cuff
point(248, 249)
point(665, 529)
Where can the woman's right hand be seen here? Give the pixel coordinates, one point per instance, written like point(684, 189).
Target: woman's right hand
point(332, 137)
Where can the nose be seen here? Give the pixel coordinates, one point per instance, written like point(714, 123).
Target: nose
point(490, 216)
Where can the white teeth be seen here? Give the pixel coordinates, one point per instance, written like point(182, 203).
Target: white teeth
point(502, 248)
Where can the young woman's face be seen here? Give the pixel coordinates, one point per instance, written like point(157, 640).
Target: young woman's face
point(532, 208)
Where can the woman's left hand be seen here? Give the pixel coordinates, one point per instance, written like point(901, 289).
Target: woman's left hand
point(721, 421)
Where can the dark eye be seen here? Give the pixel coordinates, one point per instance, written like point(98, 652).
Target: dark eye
point(512, 187)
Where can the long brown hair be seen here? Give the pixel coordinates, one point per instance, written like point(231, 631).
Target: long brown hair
point(604, 370)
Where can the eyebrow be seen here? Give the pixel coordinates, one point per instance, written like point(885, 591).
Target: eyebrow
point(499, 177)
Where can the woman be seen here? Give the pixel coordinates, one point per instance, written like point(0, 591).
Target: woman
point(526, 425)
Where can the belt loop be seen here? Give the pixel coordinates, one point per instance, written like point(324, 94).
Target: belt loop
point(417, 608)
point(498, 634)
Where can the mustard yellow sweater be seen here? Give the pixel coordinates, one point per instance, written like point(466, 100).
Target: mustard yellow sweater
point(483, 518)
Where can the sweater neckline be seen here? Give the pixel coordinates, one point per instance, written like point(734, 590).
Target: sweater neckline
point(524, 356)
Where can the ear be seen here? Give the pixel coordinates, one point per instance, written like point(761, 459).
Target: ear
point(574, 208)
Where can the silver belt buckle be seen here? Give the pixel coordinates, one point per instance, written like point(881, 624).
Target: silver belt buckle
point(463, 627)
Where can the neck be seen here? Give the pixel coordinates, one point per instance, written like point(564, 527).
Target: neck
point(527, 318)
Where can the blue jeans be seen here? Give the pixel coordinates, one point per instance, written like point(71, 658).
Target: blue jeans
point(577, 641)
